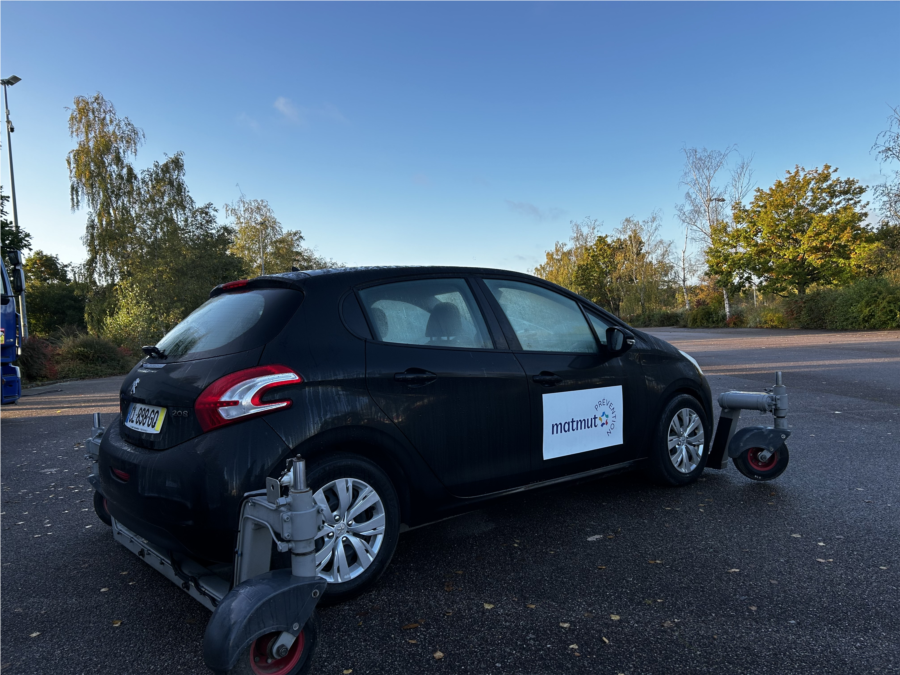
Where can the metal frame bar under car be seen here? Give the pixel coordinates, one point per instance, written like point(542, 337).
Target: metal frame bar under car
point(260, 601)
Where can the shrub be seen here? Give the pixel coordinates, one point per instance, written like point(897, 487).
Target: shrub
point(37, 360)
point(736, 320)
point(766, 317)
point(816, 310)
point(870, 303)
point(706, 316)
point(658, 318)
point(82, 356)
point(867, 304)
point(880, 308)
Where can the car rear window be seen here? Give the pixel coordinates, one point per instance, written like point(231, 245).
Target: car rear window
point(230, 323)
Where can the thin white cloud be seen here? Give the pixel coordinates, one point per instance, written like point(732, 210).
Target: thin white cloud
point(298, 114)
point(288, 109)
point(331, 111)
point(532, 211)
point(248, 121)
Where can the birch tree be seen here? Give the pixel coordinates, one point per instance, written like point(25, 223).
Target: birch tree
point(102, 178)
point(712, 188)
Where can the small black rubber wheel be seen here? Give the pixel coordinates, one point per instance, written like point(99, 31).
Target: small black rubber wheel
point(100, 508)
point(679, 449)
point(749, 464)
point(362, 523)
point(256, 659)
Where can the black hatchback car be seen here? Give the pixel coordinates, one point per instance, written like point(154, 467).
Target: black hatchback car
point(412, 392)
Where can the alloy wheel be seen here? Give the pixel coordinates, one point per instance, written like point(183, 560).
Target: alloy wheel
point(685, 440)
point(353, 531)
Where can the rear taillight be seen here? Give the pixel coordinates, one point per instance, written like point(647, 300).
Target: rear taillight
point(237, 396)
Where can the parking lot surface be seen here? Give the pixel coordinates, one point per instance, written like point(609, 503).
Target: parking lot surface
point(799, 575)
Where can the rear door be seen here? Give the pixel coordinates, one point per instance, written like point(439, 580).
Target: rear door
point(435, 370)
point(587, 403)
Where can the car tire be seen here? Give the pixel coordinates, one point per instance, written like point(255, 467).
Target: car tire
point(679, 458)
point(325, 477)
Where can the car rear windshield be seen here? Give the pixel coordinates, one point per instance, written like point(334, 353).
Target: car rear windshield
point(230, 323)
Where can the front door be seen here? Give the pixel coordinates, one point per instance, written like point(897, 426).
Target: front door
point(586, 401)
point(434, 371)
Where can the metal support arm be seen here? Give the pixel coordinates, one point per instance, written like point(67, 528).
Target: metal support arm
point(728, 442)
point(264, 601)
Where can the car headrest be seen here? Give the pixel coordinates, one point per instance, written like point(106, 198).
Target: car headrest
point(379, 318)
point(444, 321)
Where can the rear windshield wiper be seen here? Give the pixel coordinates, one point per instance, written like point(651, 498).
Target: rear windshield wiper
point(153, 350)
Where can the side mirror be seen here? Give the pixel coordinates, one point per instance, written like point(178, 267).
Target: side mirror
point(618, 340)
point(17, 280)
point(14, 257)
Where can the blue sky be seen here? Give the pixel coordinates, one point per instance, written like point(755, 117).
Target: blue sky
point(453, 133)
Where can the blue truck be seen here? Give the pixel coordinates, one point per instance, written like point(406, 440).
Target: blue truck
point(11, 326)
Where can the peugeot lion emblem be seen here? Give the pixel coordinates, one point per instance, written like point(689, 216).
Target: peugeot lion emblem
point(134, 385)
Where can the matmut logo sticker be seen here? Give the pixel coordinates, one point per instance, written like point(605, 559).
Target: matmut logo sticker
point(581, 421)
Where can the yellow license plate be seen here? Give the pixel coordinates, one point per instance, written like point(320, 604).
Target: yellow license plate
point(146, 418)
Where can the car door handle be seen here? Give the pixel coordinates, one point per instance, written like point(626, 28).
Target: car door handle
point(415, 377)
point(546, 379)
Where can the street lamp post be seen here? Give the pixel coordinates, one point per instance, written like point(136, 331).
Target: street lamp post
point(8, 82)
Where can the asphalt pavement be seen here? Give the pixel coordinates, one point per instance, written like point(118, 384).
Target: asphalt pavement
point(799, 575)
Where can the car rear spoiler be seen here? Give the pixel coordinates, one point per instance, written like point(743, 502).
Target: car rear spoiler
point(291, 280)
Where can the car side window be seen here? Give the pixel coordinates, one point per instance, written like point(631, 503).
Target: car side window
point(543, 321)
point(433, 312)
point(600, 327)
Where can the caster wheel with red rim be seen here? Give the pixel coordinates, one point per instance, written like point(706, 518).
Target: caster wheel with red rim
point(753, 467)
point(259, 660)
point(101, 509)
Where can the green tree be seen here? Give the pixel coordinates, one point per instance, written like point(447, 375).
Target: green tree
point(259, 239)
point(645, 266)
point(45, 268)
point(560, 264)
point(102, 178)
point(598, 275)
point(54, 299)
point(179, 252)
point(806, 229)
point(11, 240)
point(264, 245)
point(628, 273)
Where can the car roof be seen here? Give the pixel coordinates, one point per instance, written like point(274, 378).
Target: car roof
point(357, 275)
point(340, 278)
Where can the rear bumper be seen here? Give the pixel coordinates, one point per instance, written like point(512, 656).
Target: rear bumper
point(187, 499)
point(12, 383)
